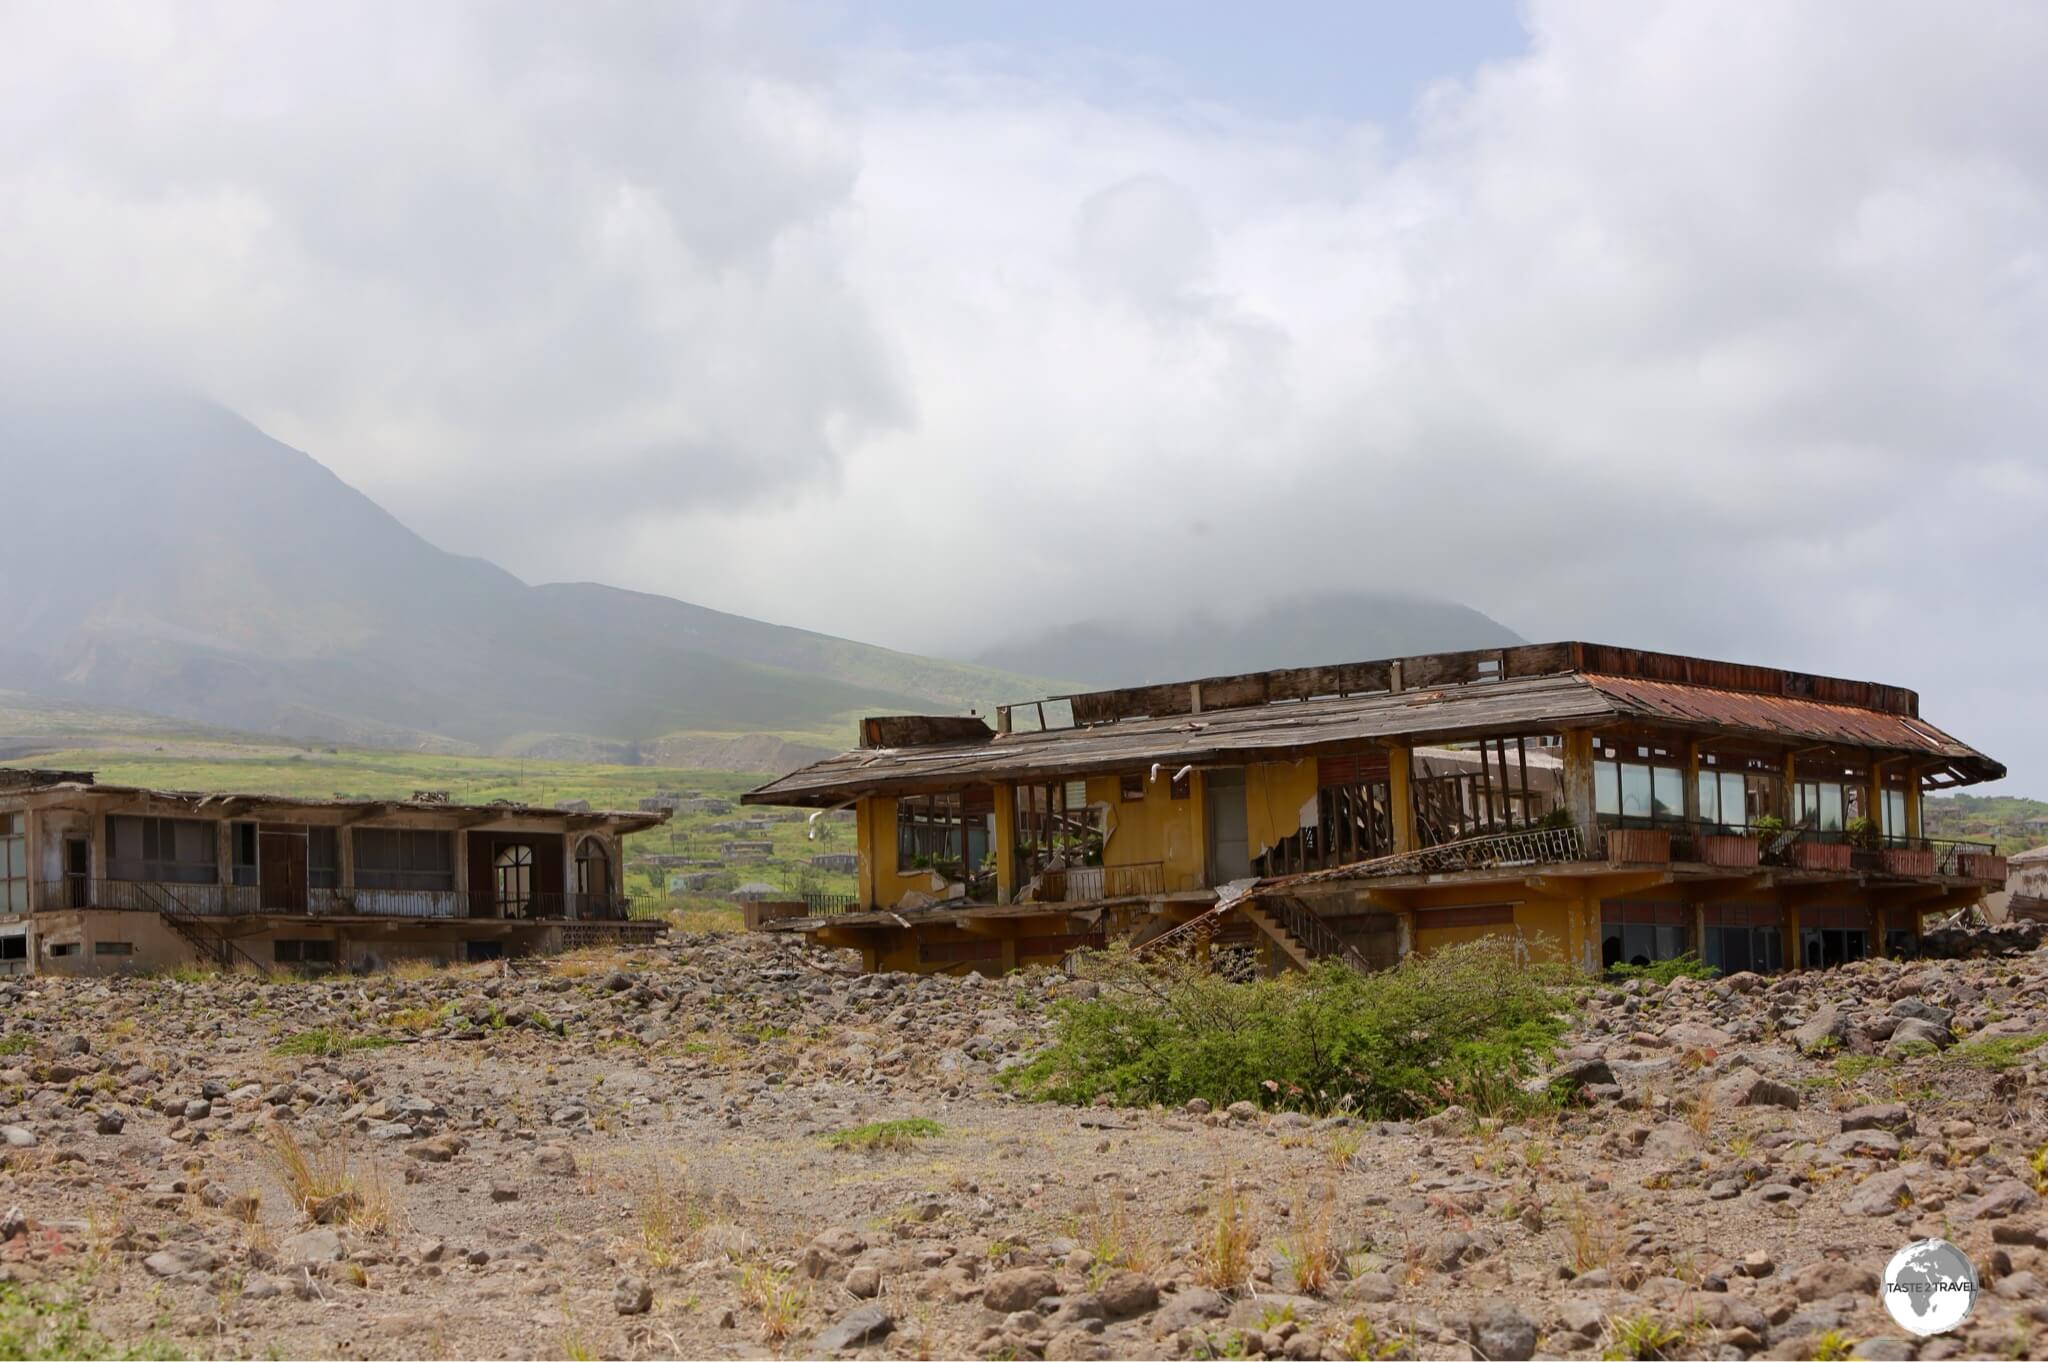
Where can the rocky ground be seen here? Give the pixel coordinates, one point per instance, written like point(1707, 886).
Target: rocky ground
point(684, 1152)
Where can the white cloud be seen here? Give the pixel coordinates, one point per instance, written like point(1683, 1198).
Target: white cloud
point(1709, 329)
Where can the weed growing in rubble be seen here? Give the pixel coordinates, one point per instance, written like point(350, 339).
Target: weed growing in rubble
point(1642, 1338)
point(326, 1185)
point(1997, 1053)
point(35, 1321)
point(1464, 1025)
point(1311, 1251)
point(324, 1042)
point(878, 1136)
point(1224, 1256)
point(779, 1300)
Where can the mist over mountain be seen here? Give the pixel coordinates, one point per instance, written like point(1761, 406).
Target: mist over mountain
point(171, 558)
point(1300, 632)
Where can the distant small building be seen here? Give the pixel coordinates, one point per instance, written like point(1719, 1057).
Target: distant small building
point(745, 852)
point(695, 881)
point(754, 891)
point(109, 879)
point(838, 862)
point(704, 805)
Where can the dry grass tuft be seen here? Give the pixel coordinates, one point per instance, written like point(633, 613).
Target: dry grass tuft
point(327, 1187)
point(1594, 1238)
point(778, 1299)
point(1224, 1256)
point(1311, 1251)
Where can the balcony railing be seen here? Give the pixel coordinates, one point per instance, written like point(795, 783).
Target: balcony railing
point(1088, 883)
point(1741, 846)
point(235, 900)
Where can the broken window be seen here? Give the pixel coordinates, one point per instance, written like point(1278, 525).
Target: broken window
point(163, 850)
point(1354, 819)
point(323, 858)
point(1479, 788)
point(244, 843)
point(13, 863)
point(404, 858)
point(1056, 825)
point(950, 833)
point(1131, 787)
point(1642, 933)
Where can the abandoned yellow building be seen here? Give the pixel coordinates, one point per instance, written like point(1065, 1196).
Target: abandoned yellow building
point(105, 879)
point(1599, 805)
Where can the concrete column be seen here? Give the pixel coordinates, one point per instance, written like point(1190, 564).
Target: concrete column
point(1401, 799)
point(864, 846)
point(1578, 779)
point(345, 858)
point(1006, 843)
point(1692, 781)
point(1912, 803)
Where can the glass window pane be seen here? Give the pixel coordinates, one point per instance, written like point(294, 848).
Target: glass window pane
point(1635, 790)
point(1710, 797)
point(1668, 783)
point(1831, 808)
point(1606, 788)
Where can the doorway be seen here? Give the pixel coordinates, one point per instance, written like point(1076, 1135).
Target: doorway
point(513, 870)
point(77, 873)
point(281, 869)
point(1230, 853)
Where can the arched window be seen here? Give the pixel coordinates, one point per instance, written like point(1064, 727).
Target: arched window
point(593, 867)
point(514, 866)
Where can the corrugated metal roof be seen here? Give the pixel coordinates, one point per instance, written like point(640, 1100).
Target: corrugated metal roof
point(1301, 728)
point(1787, 717)
point(1234, 735)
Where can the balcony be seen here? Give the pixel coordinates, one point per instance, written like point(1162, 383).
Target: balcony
point(1089, 883)
point(236, 900)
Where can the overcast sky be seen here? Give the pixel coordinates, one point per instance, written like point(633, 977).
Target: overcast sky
point(1706, 327)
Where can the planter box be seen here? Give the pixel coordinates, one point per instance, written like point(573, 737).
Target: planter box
point(1982, 867)
point(1906, 861)
point(753, 915)
point(1822, 855)
point(1733, 851)
point(1639, 844)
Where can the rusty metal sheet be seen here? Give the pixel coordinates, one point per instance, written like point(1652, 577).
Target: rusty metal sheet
point(1789, 717)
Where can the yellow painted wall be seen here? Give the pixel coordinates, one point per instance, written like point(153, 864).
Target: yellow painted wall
point(881, 885)
point(1550, 929)
point(1274, 793)
point(1156, 828)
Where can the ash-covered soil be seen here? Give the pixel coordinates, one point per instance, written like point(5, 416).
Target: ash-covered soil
point(683, 1152)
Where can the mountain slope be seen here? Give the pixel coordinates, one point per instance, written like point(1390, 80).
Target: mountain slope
point(183, 563)
point(1303, 632)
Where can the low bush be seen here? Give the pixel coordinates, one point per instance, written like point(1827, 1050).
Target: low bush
point(878, 1136)
point(1465, 1024)
point(1687, 966)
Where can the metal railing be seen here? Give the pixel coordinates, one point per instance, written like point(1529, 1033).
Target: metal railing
point(1317, 937)
point(1086, 883)
point(236, 900)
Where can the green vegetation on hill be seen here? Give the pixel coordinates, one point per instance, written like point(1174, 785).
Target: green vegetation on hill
point(2015, 824)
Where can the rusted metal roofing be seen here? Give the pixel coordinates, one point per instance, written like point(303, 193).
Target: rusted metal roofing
point(66, 793)
point(1813, 721)
point(1216, 737)
point(1497, 703)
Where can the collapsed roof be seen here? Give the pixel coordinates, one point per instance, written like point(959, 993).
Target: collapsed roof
point(1441, 697)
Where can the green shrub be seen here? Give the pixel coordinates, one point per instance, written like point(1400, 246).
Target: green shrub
point(325, 1042)
point(1687, 966)
point(884, 1135)
point(1465, 1024)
